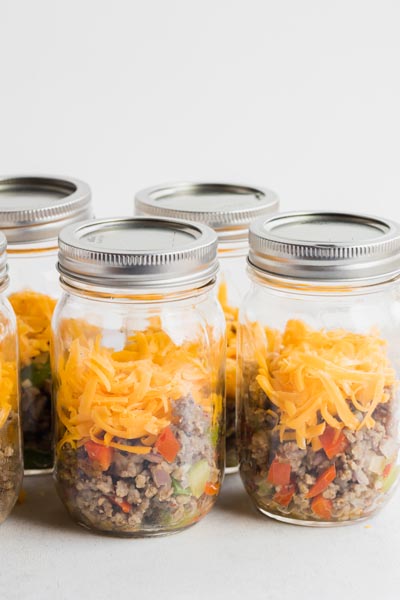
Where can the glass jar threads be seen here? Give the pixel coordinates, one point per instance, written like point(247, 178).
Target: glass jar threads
point(11, 461)
point(319, 372)
point(33, 209)
point(228, 209)
point(139, 369)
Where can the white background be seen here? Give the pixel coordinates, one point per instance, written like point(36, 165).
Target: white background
point(302, 96)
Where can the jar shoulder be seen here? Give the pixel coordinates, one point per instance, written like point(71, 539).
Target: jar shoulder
point(192, 317)
point(358, 311)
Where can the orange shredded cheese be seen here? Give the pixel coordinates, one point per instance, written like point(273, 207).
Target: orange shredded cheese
point(34, 312)
point(319, 377)
point(231, 316)
point(108, 396)
point(8, 389)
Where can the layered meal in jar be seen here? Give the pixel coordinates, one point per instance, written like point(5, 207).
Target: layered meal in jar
point(139, 430)
point(10, 442)
point(318, 422)
point(34, 312)
point(231, 316)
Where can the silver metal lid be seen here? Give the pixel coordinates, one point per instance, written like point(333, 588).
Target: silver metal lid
point(3, 257)
point(325, 246)
point(138, 252)
point(227, 208)
point(34, 208)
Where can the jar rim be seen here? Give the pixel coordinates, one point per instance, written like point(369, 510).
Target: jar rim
point(329, 286)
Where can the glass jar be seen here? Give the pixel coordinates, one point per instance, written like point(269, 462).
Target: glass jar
point(33, 209)
point(139, 368)
point(11, 461)
point(319, 368)
point(228, 209)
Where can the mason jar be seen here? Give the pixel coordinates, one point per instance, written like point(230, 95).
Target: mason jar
point(11, 460)
point(33, 209)
point(139, 348)
point(319, 367)
point(227, 208)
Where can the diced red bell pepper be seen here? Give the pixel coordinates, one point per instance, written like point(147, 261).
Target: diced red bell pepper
point(386, 471)
point(99, 454)
point(279, 473)
point(167, 445)
point(322, 507)
point(123, 504)
point(333, 441)
point(322, 482)
point(285, 494)
point(211, 489)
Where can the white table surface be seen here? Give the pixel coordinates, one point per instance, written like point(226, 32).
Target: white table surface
point(233, 553)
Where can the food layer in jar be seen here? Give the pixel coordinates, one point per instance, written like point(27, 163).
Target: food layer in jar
point(34, 312)
point(10, 443)
point(139, 431)
point(318, 422)
point(231, 316)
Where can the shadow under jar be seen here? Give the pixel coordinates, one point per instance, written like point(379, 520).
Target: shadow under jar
point(33, 209)
point(228, 208)
point(11, 461)
point(319, 368)
point(139, 375)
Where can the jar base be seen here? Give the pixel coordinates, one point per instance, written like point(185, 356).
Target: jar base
point(231, 470)
point(138, 534)
point(34, 472)
point(305, 523)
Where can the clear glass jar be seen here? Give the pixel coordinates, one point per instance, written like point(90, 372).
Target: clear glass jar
point(233, 284)
point(319, 370)
point(139, 367)
point(11, 461)
point(32, 212)
point(228, 209)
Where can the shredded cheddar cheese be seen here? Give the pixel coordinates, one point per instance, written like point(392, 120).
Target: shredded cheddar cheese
point(231, 317)
point(108, 396)
point(34, 312)
point(8, 389)
point(319, 377)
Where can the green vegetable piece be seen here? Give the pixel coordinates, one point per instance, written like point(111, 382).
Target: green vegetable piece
point(179, 490)
point(390, 479)
point(37, 372)
point(265, 489)
point(214, 434)
point(198, 476)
